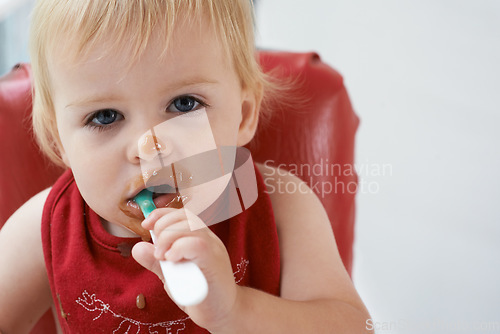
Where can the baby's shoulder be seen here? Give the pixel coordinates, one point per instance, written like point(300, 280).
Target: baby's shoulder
point(34, 206)
point(29, 215)
point(280, 181)
point(291, 197)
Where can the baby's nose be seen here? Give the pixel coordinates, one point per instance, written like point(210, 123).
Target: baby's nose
point(151, 146)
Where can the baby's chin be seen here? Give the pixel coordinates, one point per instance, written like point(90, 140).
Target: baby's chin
point(129, 228)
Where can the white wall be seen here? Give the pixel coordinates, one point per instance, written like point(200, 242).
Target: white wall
point(14, 25)
point(424, 77)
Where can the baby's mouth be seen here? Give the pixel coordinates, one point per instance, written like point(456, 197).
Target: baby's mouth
point(164, 196)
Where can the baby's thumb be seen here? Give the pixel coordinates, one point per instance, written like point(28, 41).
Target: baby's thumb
point(143, 253)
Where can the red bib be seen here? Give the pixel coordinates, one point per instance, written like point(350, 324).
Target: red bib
point(97, 285)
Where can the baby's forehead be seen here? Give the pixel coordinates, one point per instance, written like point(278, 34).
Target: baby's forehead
point(127, 46)
point(105, 67)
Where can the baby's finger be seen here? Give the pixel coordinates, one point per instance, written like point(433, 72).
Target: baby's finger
point(194, 222)
point(143, 252)
point(149, 222)
point(174, 221)
point(165, 238)
point(191, 248)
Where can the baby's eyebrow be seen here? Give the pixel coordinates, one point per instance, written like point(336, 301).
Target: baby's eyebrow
point(103, 99)
point(93, 99)
point(196, 81)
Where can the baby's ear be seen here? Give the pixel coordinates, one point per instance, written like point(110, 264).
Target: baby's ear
point(250, 106)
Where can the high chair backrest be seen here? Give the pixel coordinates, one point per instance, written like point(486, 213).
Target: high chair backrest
point(311, 134)
point(313, 137)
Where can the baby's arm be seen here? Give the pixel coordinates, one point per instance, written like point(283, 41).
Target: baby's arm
point(24, 288)
point(317, 295)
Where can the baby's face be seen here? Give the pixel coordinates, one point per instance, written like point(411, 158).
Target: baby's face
point(191, 98)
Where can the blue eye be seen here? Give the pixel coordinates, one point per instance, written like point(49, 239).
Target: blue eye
point(185, 104)
point(103, 119)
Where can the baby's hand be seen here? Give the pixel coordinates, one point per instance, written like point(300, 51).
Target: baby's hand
point(181, 235)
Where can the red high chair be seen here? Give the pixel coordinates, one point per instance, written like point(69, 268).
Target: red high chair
point(314, 137)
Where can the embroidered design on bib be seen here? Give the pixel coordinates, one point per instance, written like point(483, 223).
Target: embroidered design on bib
point(241, 270)
point(128, 326)
point(91, 303)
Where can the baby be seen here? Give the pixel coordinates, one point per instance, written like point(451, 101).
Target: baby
point(126, 90)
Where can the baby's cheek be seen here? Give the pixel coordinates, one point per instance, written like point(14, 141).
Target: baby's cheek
point(226, 136)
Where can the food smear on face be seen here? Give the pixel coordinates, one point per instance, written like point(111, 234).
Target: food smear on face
point(133, 211)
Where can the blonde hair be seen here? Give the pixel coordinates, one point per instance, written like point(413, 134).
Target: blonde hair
point(131, 23)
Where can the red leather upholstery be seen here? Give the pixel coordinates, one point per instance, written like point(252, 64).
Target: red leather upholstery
point(317, 131)
point(23, 170)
